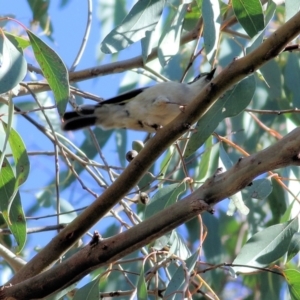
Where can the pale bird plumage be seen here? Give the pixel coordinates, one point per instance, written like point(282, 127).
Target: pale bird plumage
point(146, 109)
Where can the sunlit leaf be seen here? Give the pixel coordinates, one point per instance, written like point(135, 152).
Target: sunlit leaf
point(293, 279)
point(20, 156)
point(164, 197)
point(39, 10)
point(141, 286)
point(178, 280)
point(250, 14)
point(211, 31)
point(193, 14)
point(143, 17)
point(291, 8)
point(18, 41)
point(266, 246)
point(294, 247)
point(53, 69)
point(169, 41)
point(259, 189)
point(13, 66)
point(178, 246)
point(16, 218)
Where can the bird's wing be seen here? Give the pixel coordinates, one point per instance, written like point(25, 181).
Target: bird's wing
point(90, 109)
point(123, 98)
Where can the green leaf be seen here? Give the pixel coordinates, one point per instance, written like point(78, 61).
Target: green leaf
point(293, 279)
point(59, 295)
point(178, 246)
point(20, 155)
point(211, 29)
point(141, 286)
point(88, 292)
point(250, 15)
point(22, 165)
point(287, 210)
point(209, 161)
point(13, 65)
point(39, 10)
point(143, 17)
point(272, 75)
point(147, 44)
point(18, 41)
point(15, 218)
point(121, 143)
point(166, 160)
point(292, 77)
point(54, 71)
point(205, 160)
point(294, 247)
point(266, 246)
point(291, 8)
point(259, 189)
point(236, 200)
point(169, 42)
point(231, 104)
point(164, 197)
point(213, 248)
point(178, 281)
point(269, 13)
point(193, 15)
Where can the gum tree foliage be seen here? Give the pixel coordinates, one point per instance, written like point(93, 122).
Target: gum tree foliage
point(204, 211)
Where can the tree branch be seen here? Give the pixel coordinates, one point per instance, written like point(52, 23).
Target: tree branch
point(237, 70)
point(284, 153)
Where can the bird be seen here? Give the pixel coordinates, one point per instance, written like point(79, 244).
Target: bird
point(145, 109)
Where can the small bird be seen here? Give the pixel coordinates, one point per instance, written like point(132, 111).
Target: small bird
point(146, 109)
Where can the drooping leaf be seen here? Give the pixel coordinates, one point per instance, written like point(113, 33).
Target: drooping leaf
point(164, 197)
point(88, 292)
point(20, 155)
point(143, 17)
point(15, 218)
point(169, 41)
point(293, 279)
point(291, 8)
point(259, 189)
point(53, 69)
point(121, 142)
point(178, 246)
point(178, 281)
point(40, 14)
point(294, 246)
point(266, 246)
point(141, 286)
point(13, 66)
point(211, 30)
point(193, 15)
point(250, 15)
point(236, 200)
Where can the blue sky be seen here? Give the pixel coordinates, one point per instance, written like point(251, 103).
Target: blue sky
point(69, 25)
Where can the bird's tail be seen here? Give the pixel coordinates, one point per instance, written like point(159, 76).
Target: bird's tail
point(74, 120)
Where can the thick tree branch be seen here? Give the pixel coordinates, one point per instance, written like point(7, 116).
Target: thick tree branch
point(284, 153)
point(237, 70)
